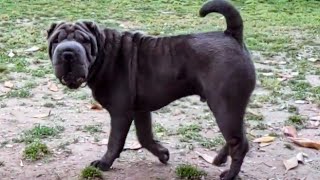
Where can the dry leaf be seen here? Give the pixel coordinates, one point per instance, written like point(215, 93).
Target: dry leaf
point(290, 131)
point(206, 157)
point(268, 62)
point(300, 102)
point(265, 139)
point(132, 146)
point(314, 124)
point(96, 106)
point(264, 144)
point(9, 145)
point(43, 115)
point(11, 54)
point(304, 142)
point(301, 157)
point(57, 97)
point(315, 118)
point(282, 62)
point(281, 79)
point(268, 74)
point(53, 87)
point(313, 59)
point(285, 75)
point(251, 111)
point(290, 163)
point(294, 73)
point(32, 49)
point(103, 142)
point(8, 84)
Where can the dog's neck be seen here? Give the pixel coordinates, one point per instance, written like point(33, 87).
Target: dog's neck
point(116, 62)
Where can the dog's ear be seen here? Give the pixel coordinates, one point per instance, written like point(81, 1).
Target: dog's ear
point(51, 29)
point(92, 27)
point(95, 31)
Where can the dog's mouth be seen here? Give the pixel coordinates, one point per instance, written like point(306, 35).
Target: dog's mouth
point(72, 81)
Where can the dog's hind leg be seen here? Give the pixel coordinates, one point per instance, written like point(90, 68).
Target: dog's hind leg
point(143, 123)
point(222, 156)
point(228, 104)
point(229, 117)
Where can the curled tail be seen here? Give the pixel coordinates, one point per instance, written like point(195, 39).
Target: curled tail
point(232, 15)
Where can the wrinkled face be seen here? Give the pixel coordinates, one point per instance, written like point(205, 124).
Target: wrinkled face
point(72, 50)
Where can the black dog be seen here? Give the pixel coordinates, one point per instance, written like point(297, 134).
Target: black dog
point(131, 75)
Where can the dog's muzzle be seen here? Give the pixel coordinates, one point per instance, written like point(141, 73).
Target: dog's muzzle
point(70, 63)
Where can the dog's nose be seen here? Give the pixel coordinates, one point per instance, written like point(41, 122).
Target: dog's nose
point(68, 56)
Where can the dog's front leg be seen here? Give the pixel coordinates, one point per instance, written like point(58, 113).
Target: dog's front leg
point(120, 125)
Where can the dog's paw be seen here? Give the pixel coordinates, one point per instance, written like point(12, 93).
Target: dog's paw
point(220, 159)
point(102, 165)
point(225, 175)
point(164, 155)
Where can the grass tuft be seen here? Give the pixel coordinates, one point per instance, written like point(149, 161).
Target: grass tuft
point(296, 120)
point(187, 171)
point(36, 151)
point(91, 173)
point(19, 93)
point(92, 129)
point(40, 132)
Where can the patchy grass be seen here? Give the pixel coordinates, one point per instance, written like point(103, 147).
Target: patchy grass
point(260, 126)
point(36, 151)
point(3, 105)
point(159, 128)
point(48, 105)
point(212, 142)
point(4, 143)
point(191, 133)
point(92, 129)
point(293, 109)
point(63, 145)
point(3, 69)
point(296, 120)
point(91, 173)
point(288, 146)
point(270, 83)
point(30, 85)
point(187, 171)
point(274, 134)
point(19, 93)
point(40, 132)
point(165, 109)
point(192, 128)
point(254, 116)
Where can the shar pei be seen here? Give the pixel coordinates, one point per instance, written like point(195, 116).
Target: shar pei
point(132, 74)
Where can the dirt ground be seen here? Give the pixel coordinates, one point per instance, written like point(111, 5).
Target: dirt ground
point(66, 163)
point(285, 51)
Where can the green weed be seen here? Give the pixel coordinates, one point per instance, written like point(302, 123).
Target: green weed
point(91, 173)
point(36, 151)
point(187, 171)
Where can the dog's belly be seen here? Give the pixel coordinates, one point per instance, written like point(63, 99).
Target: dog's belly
point(157, 95)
